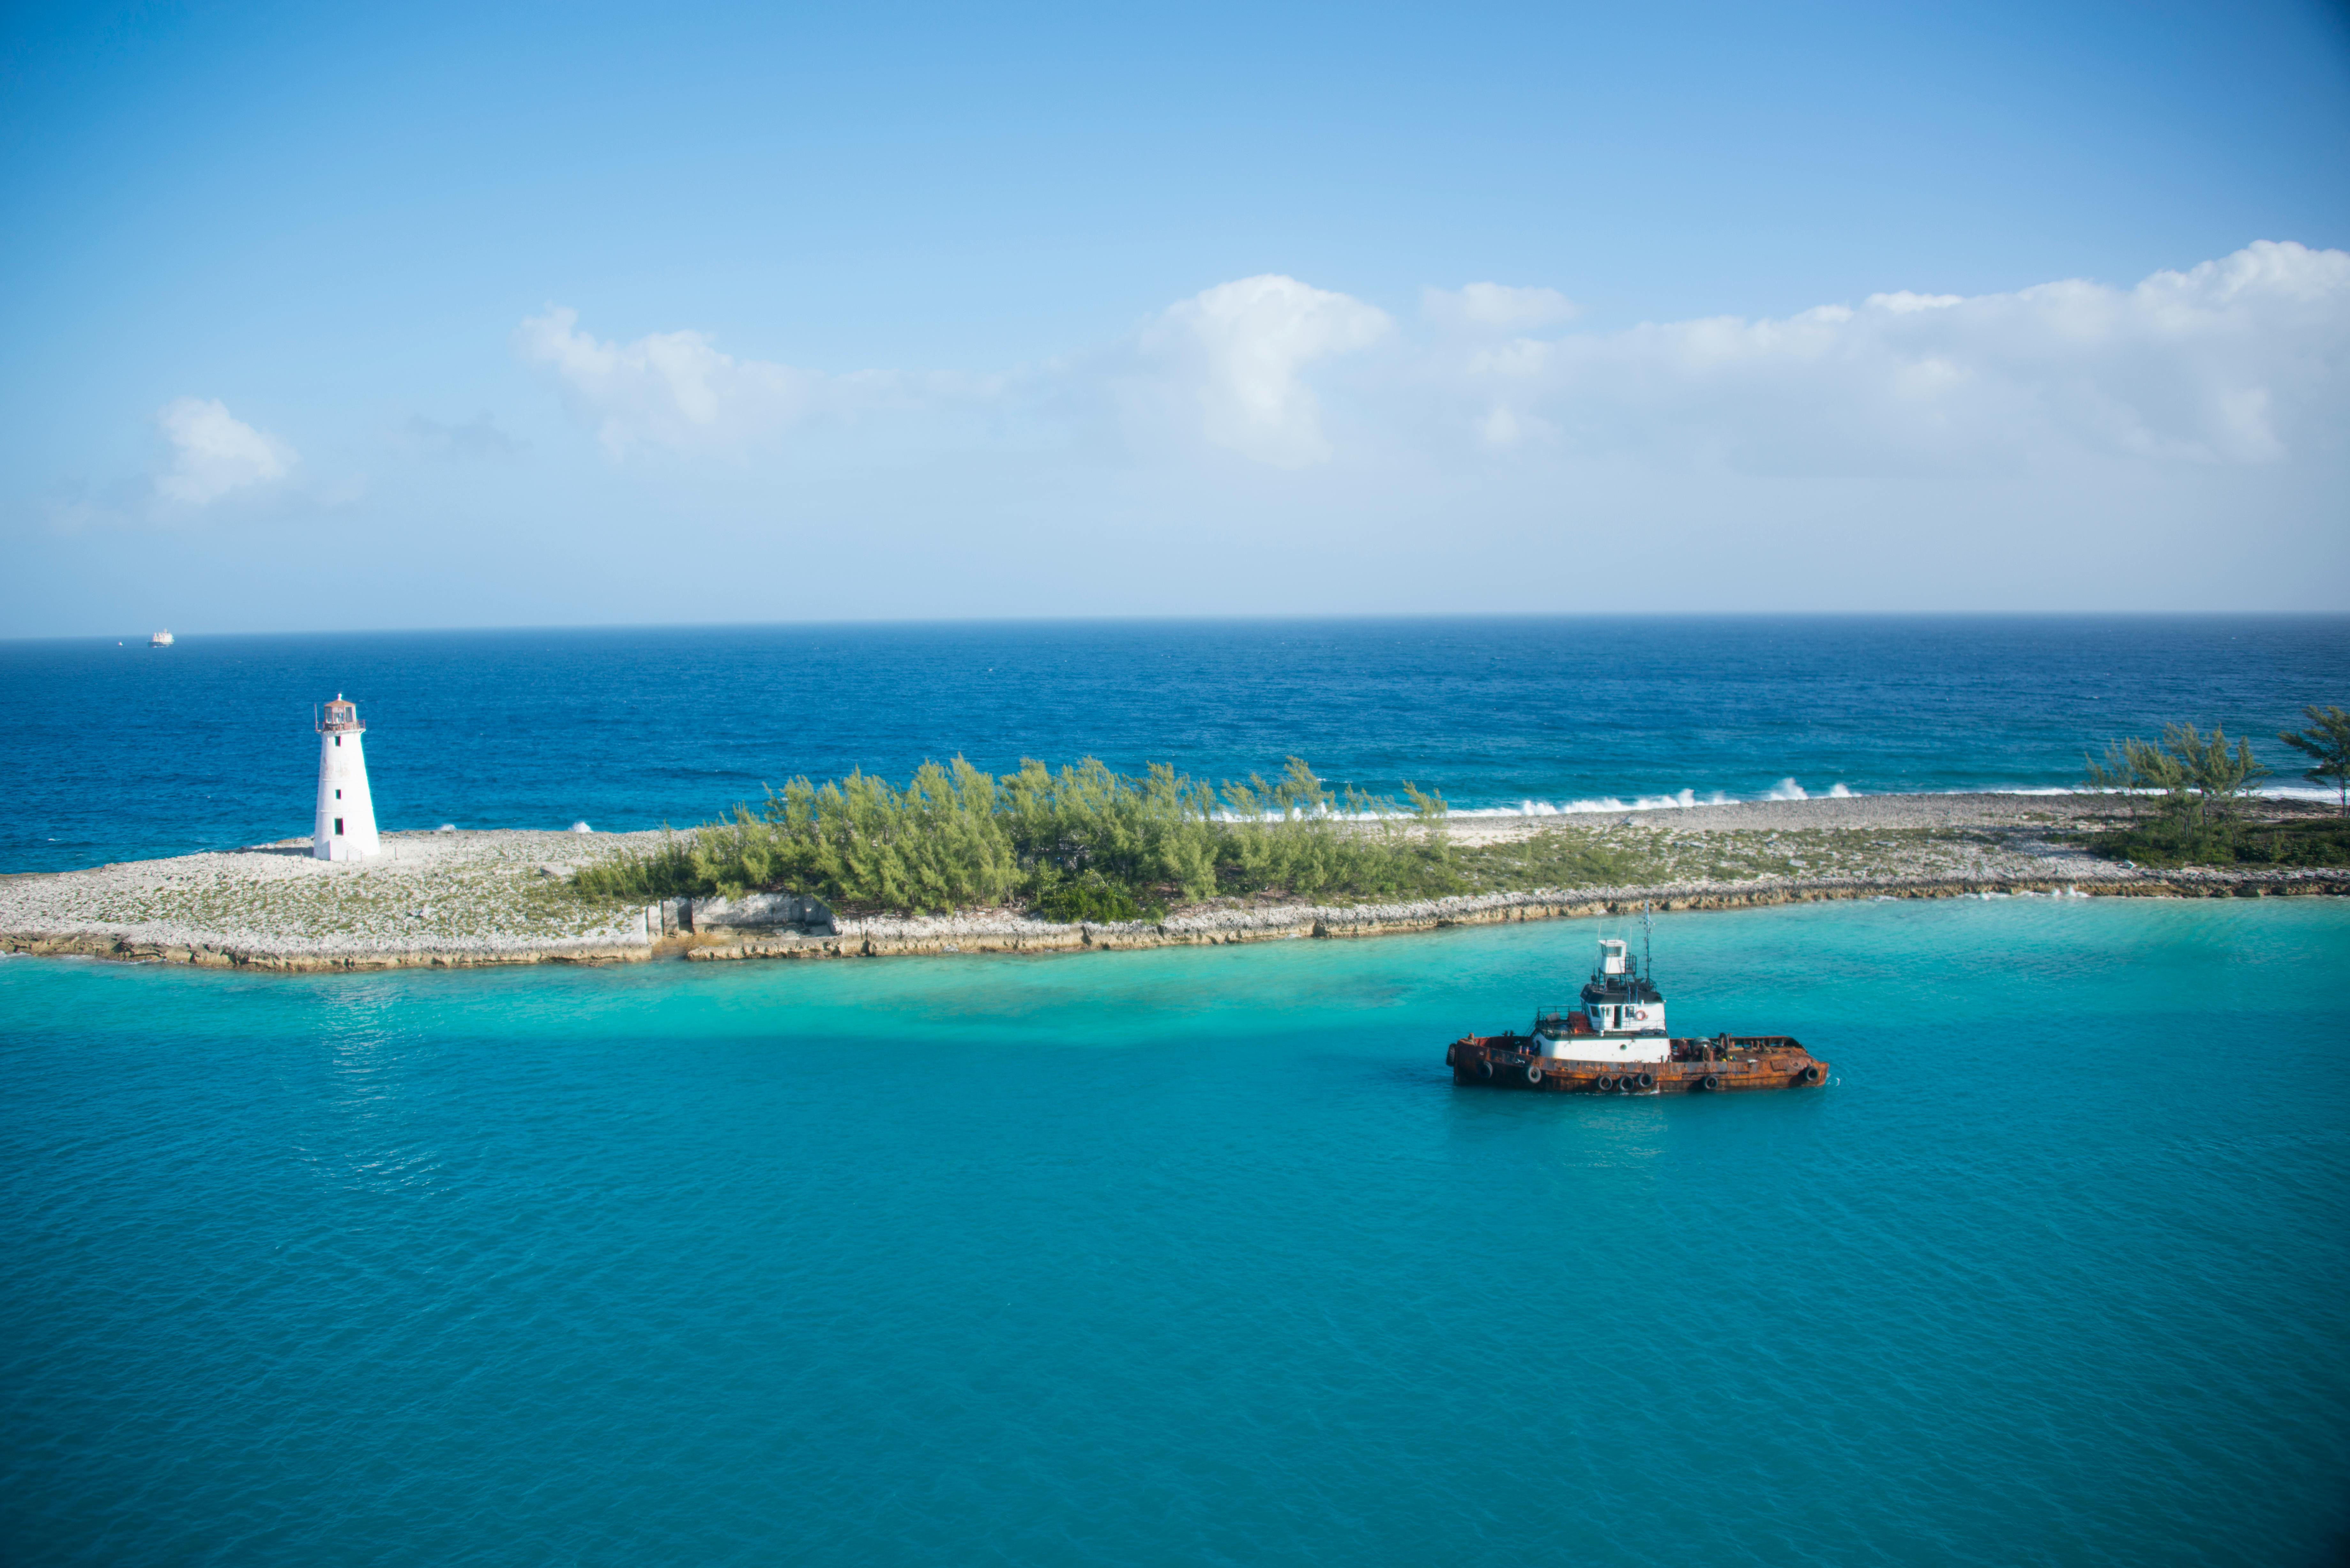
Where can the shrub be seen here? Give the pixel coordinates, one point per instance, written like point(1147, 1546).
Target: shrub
point(2172, 841)
point(1083, 843)
point(1091, 896)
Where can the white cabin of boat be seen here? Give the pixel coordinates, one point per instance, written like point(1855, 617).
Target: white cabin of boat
point(1621, 1017)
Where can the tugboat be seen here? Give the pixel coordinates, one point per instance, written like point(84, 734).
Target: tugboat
point(1614, 1042)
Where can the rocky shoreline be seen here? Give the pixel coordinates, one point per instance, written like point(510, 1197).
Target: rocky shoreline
point(990, 933)
point(463, 900)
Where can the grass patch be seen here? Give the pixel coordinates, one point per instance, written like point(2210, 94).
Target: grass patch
point(1555, 858)
point(2172, 840)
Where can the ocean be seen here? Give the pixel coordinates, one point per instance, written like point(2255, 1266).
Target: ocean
point(1182, 1255)
point(1193, 1256)
point(112, 752)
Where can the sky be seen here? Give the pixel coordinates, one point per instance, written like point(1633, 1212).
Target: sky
point(322, 318)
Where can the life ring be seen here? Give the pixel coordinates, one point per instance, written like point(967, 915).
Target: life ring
point(1646, 1080)
point(1812, 1074)
point(1603, 1083)
point(1533, 1072)
point(1713, 1080)
point(1484, 1069)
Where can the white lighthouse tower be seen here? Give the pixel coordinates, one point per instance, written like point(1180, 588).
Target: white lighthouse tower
point(346, 822)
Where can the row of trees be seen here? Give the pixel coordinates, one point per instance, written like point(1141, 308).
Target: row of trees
point(1084, 843)
point(2200, 780)
point(1080, 844)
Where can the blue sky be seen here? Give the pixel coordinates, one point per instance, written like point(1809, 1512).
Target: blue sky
point(502, 315)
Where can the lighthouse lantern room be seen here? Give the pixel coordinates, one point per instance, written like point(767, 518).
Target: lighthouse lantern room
point(345, 829)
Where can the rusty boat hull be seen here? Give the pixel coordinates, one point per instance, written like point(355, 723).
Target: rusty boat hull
point(1725, 1064)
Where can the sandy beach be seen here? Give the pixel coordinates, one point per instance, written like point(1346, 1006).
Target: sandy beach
point(464, 898)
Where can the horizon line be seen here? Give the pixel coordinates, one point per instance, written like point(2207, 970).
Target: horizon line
point(1310, 619)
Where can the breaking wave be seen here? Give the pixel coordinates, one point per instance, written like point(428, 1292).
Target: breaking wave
point(1785, 789)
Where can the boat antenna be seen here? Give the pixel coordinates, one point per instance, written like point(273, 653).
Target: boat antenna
point(1647, 960)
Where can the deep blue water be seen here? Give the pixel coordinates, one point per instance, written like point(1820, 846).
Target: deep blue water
point(112, 752)
point(1191, 1257)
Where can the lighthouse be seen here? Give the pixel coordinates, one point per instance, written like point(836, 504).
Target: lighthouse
point(345, 829)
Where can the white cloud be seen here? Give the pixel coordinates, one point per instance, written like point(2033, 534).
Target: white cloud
point(2233, 361)
point(679, 390)
point(669, 387)
point(1237, 353)
point(1496, 307)
point(1906, 301)
point(215, 453)
point(1227, 366)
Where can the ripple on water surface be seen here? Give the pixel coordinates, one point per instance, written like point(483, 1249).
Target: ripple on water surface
point(1191, 1256)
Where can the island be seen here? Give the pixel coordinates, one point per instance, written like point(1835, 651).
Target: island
point(461, 898)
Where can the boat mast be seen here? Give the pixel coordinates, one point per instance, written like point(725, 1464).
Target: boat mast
point(1647, 960)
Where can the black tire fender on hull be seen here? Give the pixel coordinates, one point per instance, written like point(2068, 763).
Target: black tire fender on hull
point(1507, 1064)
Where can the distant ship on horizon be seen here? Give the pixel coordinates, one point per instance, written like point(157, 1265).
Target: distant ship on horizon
point(160, 639)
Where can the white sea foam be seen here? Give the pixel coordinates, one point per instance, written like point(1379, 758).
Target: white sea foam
point(1787, 789)
point(1595, 804)
point(2276, 790)
point(2298, 791)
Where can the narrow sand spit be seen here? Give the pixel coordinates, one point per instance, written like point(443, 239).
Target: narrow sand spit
point(443, 899)
point(488, 898)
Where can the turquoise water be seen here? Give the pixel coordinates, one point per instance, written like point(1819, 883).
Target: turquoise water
point(1191, 1257)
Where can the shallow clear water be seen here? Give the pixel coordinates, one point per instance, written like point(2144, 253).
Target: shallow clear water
point(1192, 1256)
point(115, 753)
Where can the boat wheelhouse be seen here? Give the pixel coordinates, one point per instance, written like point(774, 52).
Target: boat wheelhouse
point(1620, 1018)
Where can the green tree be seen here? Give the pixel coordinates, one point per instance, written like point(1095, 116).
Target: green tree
point(2327, 742)
point(2215, 777)
point(2201, 779)
point(2117, 774)
point(2153, 768)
